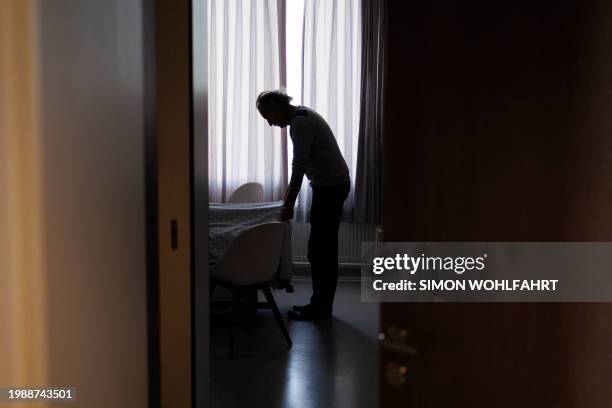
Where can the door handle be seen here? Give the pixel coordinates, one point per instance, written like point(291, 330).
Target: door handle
point(396, 339)
point(396, 374)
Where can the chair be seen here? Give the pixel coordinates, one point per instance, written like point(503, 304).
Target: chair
point(247, 193)
point(248, 265)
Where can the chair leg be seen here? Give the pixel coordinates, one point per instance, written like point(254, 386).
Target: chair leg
point(249, 306)
point(268, 294)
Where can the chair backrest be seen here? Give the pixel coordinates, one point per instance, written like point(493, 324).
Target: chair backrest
point(254, 255)
point(247, 193)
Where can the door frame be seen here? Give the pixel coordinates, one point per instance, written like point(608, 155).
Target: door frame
point(199, 202)
point(176, 169)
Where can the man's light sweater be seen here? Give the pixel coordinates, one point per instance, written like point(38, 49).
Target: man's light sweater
point(315, 150)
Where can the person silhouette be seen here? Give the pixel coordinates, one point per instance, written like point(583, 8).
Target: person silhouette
point(315, 154)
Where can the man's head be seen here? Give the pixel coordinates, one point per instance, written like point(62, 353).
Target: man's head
point(275, 107)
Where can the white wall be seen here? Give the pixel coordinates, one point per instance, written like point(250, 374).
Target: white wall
point(92, 115)
point(91, 198)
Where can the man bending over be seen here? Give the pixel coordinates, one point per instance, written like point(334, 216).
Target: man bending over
point(316, 155)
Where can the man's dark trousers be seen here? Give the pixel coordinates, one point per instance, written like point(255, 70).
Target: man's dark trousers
point(325, 214)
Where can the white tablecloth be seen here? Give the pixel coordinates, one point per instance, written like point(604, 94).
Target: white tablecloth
point(227, 221)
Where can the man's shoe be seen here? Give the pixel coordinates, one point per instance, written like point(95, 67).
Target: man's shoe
point(309, 307)
point(308, 314)
point(301, 308)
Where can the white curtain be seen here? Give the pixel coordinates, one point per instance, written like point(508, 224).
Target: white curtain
point(331, 79)
point(246, 57)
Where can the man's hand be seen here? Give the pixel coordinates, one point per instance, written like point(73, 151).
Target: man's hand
point(286, 213)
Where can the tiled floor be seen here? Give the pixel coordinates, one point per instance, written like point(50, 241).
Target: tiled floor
point(331, 364)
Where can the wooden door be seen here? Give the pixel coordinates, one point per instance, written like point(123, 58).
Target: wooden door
point(497, 128)
point(181, 125)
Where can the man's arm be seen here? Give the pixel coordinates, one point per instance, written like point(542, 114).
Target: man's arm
point(293, 189)
point(301, 136)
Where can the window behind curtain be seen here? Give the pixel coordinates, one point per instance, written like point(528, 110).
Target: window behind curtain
point(327, 36)
point(245, 59)
point(247, 56)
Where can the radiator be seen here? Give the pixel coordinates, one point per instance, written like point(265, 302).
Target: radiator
point(350, 238)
